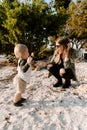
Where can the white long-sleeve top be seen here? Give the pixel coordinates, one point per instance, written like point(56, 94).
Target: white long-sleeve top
point(24, 70)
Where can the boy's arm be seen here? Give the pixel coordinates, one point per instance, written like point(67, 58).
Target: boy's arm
point(24, 66)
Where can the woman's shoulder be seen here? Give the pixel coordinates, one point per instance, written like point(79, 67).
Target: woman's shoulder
point(72, 53)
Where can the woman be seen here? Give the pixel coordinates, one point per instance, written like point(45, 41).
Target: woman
point(62, 63)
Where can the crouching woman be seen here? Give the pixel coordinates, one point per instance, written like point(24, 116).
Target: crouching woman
point(62, 63)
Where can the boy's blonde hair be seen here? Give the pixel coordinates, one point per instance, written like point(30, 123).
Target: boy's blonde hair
point(19, 50)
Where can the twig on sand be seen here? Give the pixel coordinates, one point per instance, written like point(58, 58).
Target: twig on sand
point(54, 90)
point(9, 77)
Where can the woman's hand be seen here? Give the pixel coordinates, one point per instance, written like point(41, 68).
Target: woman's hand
point(66, 52)
point(49, 65)
point(62, 71)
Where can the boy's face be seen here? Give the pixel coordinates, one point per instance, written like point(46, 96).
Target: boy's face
point(25, 54)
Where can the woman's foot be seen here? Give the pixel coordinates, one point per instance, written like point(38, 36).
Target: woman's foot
point(58, 84)
point(67, 83)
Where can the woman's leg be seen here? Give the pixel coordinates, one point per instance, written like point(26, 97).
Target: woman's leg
point(54, 70)
point(68, 75)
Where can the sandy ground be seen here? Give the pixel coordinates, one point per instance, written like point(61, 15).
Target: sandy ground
point(47, 108)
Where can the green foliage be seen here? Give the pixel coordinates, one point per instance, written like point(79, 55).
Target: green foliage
point(62, 3)
point(77, 24)
point(15, 22)
point(2, 18)
point(45, 52)
point(29, 23)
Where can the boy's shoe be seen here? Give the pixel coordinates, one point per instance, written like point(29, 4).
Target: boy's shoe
point(22, 100)
point(58, 84)
point(18, 104)
point(67, 84)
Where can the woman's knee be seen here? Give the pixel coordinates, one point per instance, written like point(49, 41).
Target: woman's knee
point(62, 71)
point(68, 74)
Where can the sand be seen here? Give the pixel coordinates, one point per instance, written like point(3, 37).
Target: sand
point(46, 108)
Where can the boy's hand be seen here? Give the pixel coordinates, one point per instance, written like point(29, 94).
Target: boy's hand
point(29, 60)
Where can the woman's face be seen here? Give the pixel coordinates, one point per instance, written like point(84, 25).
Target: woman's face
point(59, 48)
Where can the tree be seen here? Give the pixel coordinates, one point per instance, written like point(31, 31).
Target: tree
point(2, 29)
point(14, 23)
point(31, 23)
point(77, 24)
point(2, 18)
point(62, 3)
